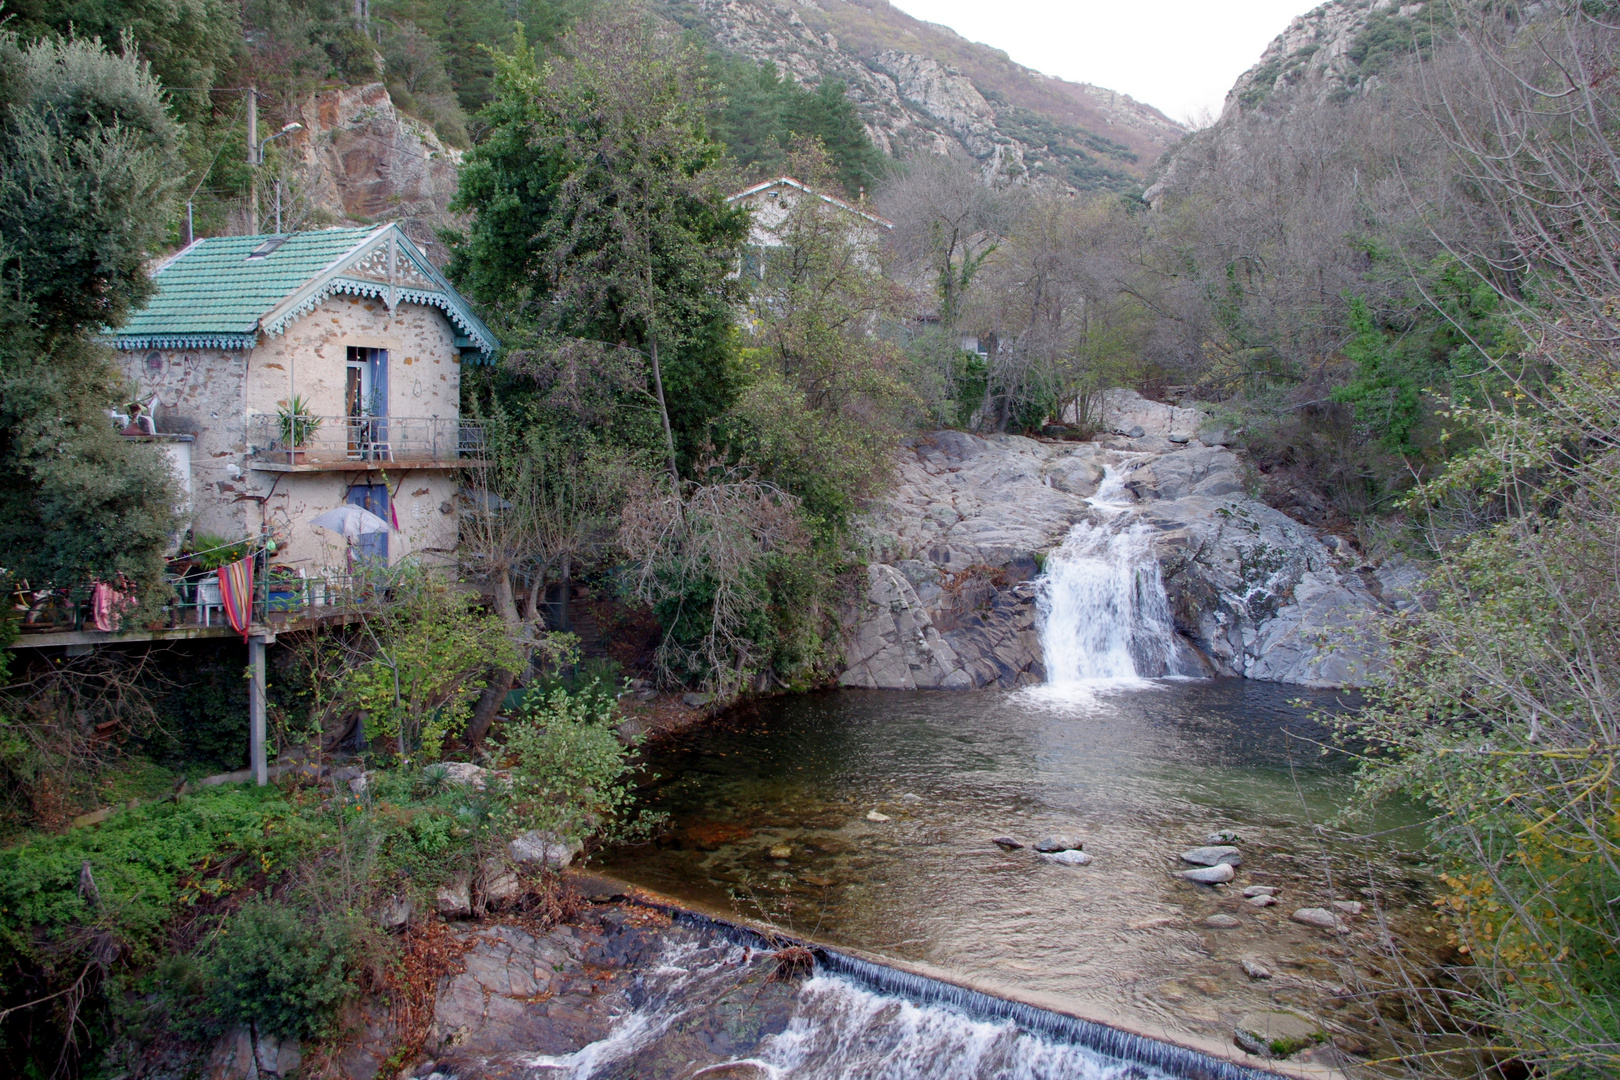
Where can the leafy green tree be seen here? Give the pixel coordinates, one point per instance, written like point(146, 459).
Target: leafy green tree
point(87, 167)
point(465, 31)
point(763, 115)
point(824, 404)
point(599, 213)
point(189, 43)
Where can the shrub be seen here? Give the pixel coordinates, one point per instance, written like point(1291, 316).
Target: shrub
point(284, 973)
point(570, 770)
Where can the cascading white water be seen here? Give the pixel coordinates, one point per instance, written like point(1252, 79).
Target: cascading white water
point(1103, 612)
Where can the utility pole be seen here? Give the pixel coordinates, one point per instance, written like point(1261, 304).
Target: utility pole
point(278, 207)
point(253, 157)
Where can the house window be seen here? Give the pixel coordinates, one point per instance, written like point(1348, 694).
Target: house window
point(361, 395)
point(365, 399)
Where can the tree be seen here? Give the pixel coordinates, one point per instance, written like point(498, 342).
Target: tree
point(87, 167)
point(599, 213)
point(543, 510)
point(825, 403)
point(1501, 704)
point(1054, 305)
point(763, 115)
point(947, 221)
point(188, 43)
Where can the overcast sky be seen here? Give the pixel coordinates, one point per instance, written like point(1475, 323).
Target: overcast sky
point(1180, 56)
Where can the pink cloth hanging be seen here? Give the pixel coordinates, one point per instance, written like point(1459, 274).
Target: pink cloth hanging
point(107, 607)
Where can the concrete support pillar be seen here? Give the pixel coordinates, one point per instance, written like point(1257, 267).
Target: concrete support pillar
point(256, 712)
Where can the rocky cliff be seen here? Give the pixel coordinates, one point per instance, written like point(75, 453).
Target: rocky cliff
point(359, 160)
point(1338, 50)
point(1331, 54)
point(922, 87)
point(951, 592)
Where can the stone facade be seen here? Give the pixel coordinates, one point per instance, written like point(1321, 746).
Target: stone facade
point(212, 394)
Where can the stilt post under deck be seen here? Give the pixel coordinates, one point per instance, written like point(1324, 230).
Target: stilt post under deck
point(256, 711)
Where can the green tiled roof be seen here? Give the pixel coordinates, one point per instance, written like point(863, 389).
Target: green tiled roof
point(214, 294)
point(212, 290)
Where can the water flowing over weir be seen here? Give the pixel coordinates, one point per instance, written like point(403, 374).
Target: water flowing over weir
point(857, 1018)
point(1103, 612)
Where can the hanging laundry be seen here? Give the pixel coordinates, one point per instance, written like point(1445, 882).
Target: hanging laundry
point(236, 594)
point(107, 607)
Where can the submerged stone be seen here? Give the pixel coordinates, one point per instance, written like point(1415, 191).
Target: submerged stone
point(1321, 918)
point(1049, 844)
point(1212, 856)
point(1067, 858)
point(1006, 843)
point(1218, 874)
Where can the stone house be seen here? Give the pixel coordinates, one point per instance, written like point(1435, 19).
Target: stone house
point(311, 370)
point(770, 203)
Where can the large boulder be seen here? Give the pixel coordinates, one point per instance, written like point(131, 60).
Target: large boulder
point(538, 849)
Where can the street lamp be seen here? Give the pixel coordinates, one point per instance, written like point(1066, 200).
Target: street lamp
point(287, 130)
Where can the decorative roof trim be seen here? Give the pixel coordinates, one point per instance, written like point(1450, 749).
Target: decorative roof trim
point(182, 341)
point(807, 189)
point(331, 280)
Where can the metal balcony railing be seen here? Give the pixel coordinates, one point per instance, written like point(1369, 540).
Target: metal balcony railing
point(344, 441)
point(194, 601)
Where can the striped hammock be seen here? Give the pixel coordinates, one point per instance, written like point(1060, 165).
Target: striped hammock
point(236, 594)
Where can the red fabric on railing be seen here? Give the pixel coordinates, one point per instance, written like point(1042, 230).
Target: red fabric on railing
point(236, 594)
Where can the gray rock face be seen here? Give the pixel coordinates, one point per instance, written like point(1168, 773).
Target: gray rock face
point(237, 1057)
point(954, 553)
point(454, 901)
point(910, 99)
point(537, 848)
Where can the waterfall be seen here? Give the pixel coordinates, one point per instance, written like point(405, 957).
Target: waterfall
point(1103, 612)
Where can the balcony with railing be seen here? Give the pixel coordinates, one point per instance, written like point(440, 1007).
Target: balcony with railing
point(357, 443)
point(194, 607)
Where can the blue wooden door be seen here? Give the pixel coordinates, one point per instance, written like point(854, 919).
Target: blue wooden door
point(373, 497)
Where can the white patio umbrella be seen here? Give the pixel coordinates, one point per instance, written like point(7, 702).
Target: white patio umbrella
point(352, 521)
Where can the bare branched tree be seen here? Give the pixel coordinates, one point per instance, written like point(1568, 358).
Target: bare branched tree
point(702, 553)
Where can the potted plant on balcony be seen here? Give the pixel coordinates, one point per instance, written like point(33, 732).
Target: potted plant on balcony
point(283, 589)
point(298, 426)
point(207, 553)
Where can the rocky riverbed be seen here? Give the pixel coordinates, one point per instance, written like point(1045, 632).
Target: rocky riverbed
point(950, 598)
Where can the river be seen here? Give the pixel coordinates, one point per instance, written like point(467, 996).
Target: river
point(772, 817)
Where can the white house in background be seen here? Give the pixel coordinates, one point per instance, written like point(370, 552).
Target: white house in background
point(773, 200)
point(357, 327)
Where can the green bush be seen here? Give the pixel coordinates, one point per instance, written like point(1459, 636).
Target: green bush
point(282, 971)
point(570, 770)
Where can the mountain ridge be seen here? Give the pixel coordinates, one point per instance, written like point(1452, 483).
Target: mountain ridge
point(921, 87)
